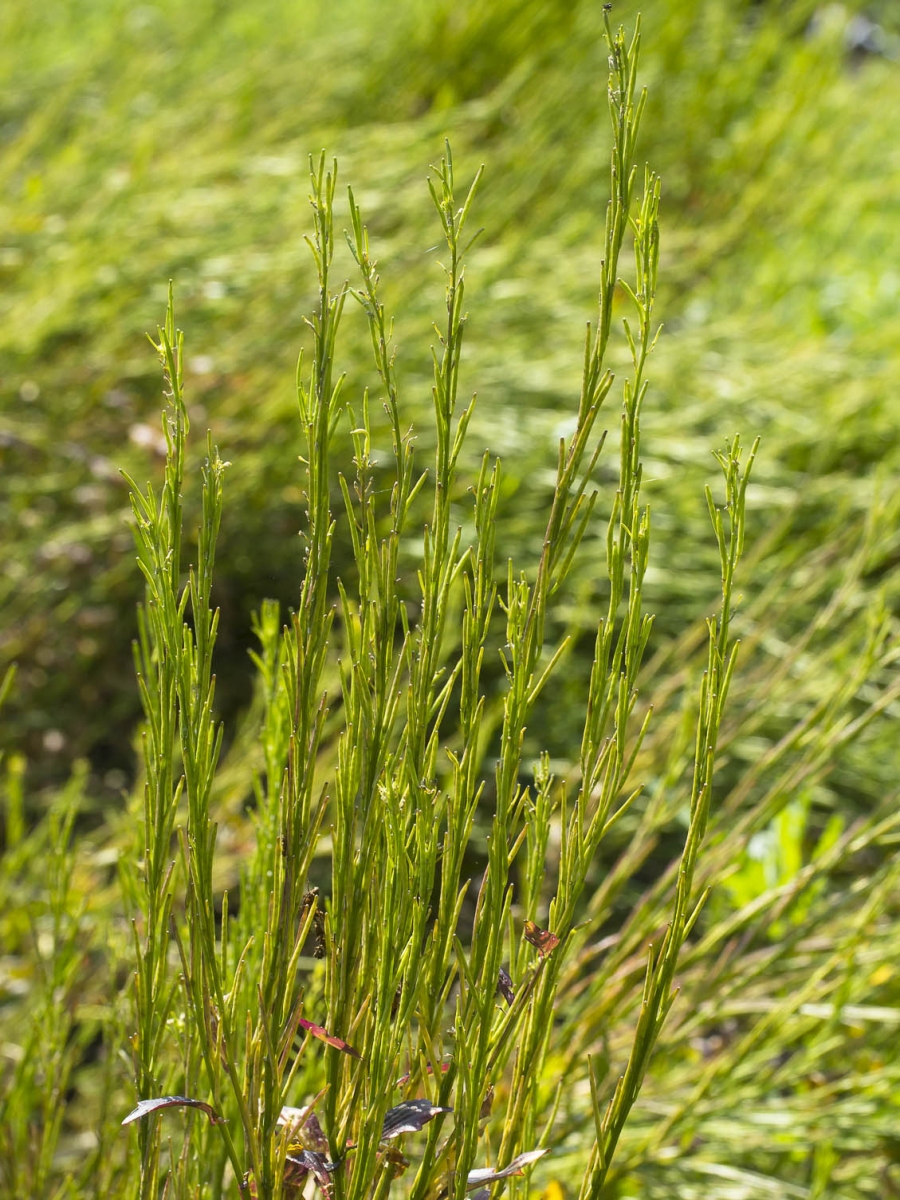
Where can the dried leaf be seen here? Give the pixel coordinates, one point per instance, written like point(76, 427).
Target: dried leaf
point(294, 1117)
point(320, 947)
point(318, 1032)
point(396, 1161)
point(487, 1103)
point(545, 941)
point(489, 1175)
point(429, 1069)
point(505, 986)
point(395, 1003)
point(145, 1107)
point(409, 1117)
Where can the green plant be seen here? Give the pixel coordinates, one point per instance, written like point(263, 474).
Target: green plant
point(403, 953)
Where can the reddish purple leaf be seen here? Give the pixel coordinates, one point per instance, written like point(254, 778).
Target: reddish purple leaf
point(505, 986)
point(409, 1117)
point(145, 1107)
point(545, 941)
point(489, 1175)
point(318, 1032)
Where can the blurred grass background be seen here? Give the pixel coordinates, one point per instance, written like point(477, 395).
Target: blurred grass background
point(140, 142)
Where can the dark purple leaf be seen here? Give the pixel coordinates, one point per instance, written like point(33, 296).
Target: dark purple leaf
point(490, 1175)
point(304, 1127)
point(314, 1134)
point(318, 1032)
point(545, 941)
point(505, 986)
point(409, 1117)
point(145, 1107)
point(308, 1162)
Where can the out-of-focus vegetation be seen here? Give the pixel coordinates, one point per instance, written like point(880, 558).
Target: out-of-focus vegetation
point(142, 142)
